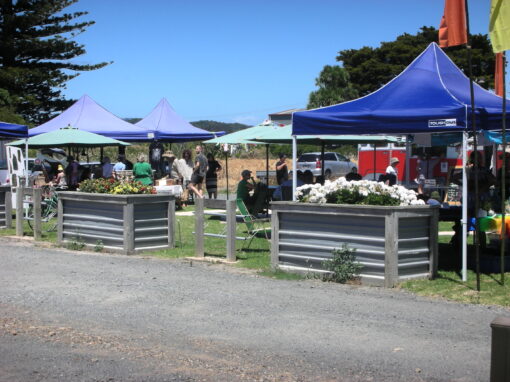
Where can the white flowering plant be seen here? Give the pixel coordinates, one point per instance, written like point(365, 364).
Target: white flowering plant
point(342, 191)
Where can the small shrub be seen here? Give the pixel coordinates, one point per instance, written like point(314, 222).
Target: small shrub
point(99, 246)
point(77, 244)
point(343, 266)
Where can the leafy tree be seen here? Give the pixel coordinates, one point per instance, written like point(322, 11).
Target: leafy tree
point(370, 68)
point(7, 113)
point(36, 49)
point(334, 87)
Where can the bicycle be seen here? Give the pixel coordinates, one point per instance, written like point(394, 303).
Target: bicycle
point(49, 209)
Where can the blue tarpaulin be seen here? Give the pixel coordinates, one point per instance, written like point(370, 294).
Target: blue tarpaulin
point(167, 125)
point(432, 94)
point(11, 130)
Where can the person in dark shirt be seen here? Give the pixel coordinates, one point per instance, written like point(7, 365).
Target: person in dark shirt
point(353, 175)
point(156, 150)
point(211, 176)
point(282, 171)
point(199, 171)
point(254, 203)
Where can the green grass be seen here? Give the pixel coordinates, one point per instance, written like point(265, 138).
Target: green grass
point(27, 231)
point(449, 285)
point(255, 257)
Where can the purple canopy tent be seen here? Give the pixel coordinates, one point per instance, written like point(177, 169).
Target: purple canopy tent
point(85, 114)
point(166, 125)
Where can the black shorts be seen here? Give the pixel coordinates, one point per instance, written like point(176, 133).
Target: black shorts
point(197, 179)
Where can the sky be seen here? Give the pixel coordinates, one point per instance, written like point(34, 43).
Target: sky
point(233, 60)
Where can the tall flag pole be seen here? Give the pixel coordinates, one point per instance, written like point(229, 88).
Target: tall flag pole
point(499, 30)
point(454, 30)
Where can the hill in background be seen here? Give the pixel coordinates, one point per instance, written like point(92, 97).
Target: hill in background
point(208, 125)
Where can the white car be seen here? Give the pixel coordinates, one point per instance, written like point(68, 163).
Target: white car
point(335, 165)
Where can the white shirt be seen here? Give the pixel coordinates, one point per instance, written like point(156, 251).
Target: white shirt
point(391, 170)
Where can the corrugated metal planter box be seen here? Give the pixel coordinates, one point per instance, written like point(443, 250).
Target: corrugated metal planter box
point(124, 223)
point(392, 243)
point(5, 207)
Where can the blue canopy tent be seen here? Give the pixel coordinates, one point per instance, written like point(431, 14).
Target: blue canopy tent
point(431, 95)
point(11, 130)
point(85, 114)
point(166, 125)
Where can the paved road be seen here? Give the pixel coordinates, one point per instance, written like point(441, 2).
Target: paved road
point(98, 317)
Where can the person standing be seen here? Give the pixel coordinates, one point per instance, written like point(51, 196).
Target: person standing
point(199, 171)
point(72, 173)
point(142, 171)
point(156, 149)
point(185, 170)
point(211, 177)
point(107, 168)
point(282, 171)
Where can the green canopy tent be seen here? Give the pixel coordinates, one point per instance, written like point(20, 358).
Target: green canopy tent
point(271, 134)
point(242, 137)
point(65, 137)
point(283, 135)
point(68, 137)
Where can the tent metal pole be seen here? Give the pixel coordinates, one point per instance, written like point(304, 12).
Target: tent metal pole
point(267, 164)
point(226, 170)
point(26, 162)
point(475, 146)
point(294, 167)
point(323, 170)
point(503, 179)
point(464, 205)
point(408, 159)
point(375, 161)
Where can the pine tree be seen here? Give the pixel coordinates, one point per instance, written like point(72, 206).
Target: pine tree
point(36, 49)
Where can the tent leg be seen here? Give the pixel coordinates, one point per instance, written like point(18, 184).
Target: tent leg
point(267, 164)
point(323, 170)
point(464, 221)
point(375, 155)
point(294, 169)
point(226, 170)
point(408, 159)
point(26, 162)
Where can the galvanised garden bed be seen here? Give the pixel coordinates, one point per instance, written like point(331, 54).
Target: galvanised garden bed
point(123, 223)
point(393, 243)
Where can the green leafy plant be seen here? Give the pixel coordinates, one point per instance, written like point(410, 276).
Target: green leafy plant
point(99, 246)
point(342, 266)
point(114, 187)
point(77, 244)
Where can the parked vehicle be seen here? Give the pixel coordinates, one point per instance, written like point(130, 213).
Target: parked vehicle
point(335, 165)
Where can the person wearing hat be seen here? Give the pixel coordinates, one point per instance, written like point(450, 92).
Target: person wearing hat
point(392, 172)
point(60, 180)
point(169, 165)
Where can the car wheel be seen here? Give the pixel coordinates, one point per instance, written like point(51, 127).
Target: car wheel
point(327, 174)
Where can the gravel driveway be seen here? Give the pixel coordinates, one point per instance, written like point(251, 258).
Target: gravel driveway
point(79, 316)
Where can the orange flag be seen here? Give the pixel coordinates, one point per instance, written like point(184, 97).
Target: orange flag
point(452, 30)
point(498, 75)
